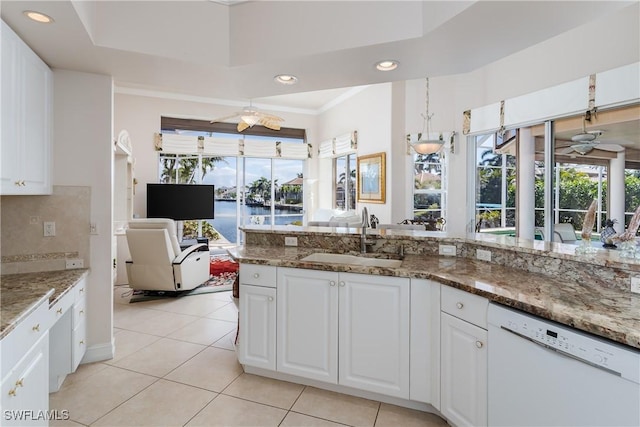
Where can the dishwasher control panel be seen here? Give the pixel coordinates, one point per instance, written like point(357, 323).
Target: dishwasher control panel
point(587, 348)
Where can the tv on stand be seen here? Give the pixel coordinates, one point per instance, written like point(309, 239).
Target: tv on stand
point(180, 202)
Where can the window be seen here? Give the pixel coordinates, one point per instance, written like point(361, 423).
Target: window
point(344, 188)
point(495, 186)
point(429, 186)
point(266, 188)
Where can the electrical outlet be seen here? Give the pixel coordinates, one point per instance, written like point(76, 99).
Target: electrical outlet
point(635, 285)
point(449, 250)
point(75, 263)
point(290, 241)
point(49, 229)
point(93, 228)
point(483, 255)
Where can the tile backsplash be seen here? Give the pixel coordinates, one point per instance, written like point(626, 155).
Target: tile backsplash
point(23, 246)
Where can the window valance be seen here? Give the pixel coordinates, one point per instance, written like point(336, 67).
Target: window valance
point(338, 146)
point(190, 144)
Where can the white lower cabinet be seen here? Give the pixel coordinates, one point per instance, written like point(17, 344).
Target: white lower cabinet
point(374, 333)
point(348, 328)
point(24, 354)
point(257, 316)
point(424, 361)
point(464, 358)
point(68, 334)
point(257, 331)
point(308, 323)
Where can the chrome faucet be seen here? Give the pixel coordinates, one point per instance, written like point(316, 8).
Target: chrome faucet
point(364, 226)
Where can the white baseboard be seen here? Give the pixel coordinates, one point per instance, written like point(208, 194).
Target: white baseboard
point(425, 407)
point(100, 352)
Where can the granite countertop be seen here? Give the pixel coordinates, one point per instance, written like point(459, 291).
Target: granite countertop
point(607, 312)
point(20, 294)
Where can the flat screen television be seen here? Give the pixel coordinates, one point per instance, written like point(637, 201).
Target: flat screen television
point(180, 201)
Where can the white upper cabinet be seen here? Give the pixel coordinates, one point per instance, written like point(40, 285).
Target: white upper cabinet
point(27, 106)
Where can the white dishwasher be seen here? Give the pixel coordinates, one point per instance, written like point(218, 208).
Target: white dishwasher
point(541, 373)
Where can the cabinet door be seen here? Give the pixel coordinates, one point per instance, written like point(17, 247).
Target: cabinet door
point(26, 391)
point(27, 106)
point(308, 323)
point(11, 82)
point(464, 372)
point(374, 333)
point(257, 330)
point(37, 98)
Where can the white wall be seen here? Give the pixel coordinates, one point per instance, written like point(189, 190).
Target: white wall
point(82, 155)
point(369, 113)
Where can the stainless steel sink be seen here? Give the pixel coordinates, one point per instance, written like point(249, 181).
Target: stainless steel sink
point(352, 259)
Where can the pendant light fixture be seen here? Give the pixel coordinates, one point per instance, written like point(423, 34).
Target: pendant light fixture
point(425, 144)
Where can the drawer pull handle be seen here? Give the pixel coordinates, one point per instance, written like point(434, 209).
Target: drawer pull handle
point(256, 275)
point(332, 283)
point(20, 383)
point(59, 311)
point(12, 392)
point(36, 328)
point(81, 290)
point(459, 305)
point(341, 283)
point(81, 312)
point(270, 298)
point(81, 342)
point(479, 344)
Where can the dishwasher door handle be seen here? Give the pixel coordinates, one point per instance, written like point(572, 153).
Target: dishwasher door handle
point(560, 352)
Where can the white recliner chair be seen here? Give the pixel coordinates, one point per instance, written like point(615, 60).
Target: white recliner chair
point(157, 263)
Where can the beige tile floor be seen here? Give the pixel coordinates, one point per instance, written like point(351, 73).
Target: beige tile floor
point(175, 366)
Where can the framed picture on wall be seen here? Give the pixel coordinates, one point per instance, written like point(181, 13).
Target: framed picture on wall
point(371, 178)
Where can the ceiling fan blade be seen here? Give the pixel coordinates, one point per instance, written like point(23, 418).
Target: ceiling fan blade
point(269, 124)
point(222, 119)
point(242, 126)
point(610, 147)
point(564, 150)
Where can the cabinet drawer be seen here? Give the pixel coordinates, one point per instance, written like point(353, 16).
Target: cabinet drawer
point(24, 336)
point(79, 311)
point(465, 306)
point(259, 275)
point(80, 289)
point(61, 306)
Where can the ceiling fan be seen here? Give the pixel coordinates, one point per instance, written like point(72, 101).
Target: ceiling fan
point(586, 141)
point(250, 116)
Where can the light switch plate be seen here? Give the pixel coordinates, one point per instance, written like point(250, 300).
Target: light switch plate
point(49, 229)
point(635, 285)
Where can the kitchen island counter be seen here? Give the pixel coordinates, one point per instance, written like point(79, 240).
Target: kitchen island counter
point(609, 312)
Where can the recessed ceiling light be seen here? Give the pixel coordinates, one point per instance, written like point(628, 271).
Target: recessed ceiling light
point(286, 79)
point(387, 65)
point(38, 17)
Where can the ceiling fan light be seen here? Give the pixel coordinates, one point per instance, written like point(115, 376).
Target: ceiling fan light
point(286, 79)
point(387, 65)
point(427, 146)
point(250, 119)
